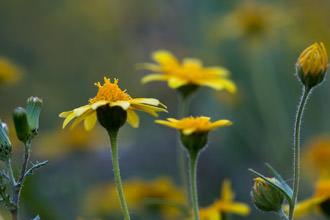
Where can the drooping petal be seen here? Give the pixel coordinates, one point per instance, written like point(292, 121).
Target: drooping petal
point(149, 109)
point(175, 83)
point(154, 77)
point(81, 110)
point(80, 118)
point(132, 118)
point(90, 121)
point(149, 101)
point(68, 119)
point(123, 104)
point(234, 207)
point(65, 114)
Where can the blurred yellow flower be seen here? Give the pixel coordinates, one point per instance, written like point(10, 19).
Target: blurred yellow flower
point(224, 205)
point(9, 71)
point(319, 203)
point(102, 199)
point(56, 144)
point(190, 72)
point(109, 94)
point(192, 124)
point(251, 20)
point(317, 156)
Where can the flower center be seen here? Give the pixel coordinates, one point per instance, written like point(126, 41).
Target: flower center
point(109, 92)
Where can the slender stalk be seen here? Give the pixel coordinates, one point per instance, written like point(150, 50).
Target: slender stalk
point(10, 172)
point(296, 173)
point(115, 163)
point(182, 162)
point(193, 184)
point(18, 186)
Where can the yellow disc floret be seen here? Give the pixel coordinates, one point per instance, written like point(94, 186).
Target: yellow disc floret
point(109, 92)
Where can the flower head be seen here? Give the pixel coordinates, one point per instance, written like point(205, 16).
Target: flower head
point(192, 124)
point(224, 205)
point(316, 156)
point(110, 99)
point(312, 64)
point(189, 72)
point(320, 202)
point(9, 72)
point(101, 199)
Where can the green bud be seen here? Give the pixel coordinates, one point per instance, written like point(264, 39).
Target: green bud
point(111, 118)
point(265, 196)
point(21, 124)
point(5, 145)
point(33, 109)
point(195, 141)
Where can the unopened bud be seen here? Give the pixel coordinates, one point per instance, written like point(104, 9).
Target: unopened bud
point(21, 124)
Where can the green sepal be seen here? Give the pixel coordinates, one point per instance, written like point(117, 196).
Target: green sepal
point(279, 178)
point(279, 185)
point(5, 144)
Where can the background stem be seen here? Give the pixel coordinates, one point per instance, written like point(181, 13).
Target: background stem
point(193, 184)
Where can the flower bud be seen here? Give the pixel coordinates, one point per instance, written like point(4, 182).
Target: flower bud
point(265, 196)
point(111, 118)
point(5, 145)
point(33, 109)
point(195, 141)
point(21, 124)
point(312, 65)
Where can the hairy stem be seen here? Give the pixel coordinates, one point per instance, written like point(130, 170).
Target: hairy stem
point(296, 173)
point(115, 163)
point(193, 184)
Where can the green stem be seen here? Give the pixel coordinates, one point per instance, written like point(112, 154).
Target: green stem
point(282, 214)
point(193, 184)
point(10, 172)
point(182, 162)
point(115, 163)
point(296, 174)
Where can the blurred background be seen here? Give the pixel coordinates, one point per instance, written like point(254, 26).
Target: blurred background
point(56, 50)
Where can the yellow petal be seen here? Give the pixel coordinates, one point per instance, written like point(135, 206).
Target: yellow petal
point(188, 131)
point(221, 123)
point(65, 114)
point(307, 206)
point(80, 118)
point(90, 121)
point(81, 110)
point(175, 83)
point(149, 109)
point(220, 84)
point(166, 123)
point(123, 104)
point(68, 119)
point(227, 194)
point(236, 207)
point(132, 118)
point(164, 57)
point(192, 62)
point(219, 71)
point(149, 101)
point(148, 66)
point(154, 77)
point(98, 104)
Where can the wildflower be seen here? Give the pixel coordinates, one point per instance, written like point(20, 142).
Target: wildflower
point(101, 199)
point(194, 130)
point(190, 73)
point(108, 97)
point(265, 196)
point(250, 20)
point(319, 203)
point(224, 205)
point(312, 65)
point(9, 72)
point(316, 156)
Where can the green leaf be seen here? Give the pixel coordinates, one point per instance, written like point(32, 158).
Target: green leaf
point(279, 185)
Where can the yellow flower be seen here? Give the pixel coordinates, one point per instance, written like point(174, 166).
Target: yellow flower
point(109, 94)
point(190, 72)
point(312, 64)
point(9, 72)
point(320, 202)
point(251, 20)
point(317, 156)
point(102, 199)
point(192, 124)
point(224, 205)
